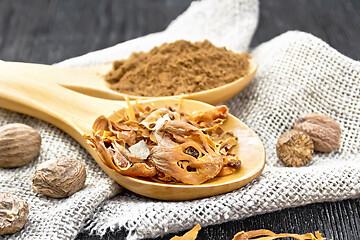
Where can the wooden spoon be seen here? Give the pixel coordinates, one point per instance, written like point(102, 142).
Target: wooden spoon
point(89, 81)
point(33, 89)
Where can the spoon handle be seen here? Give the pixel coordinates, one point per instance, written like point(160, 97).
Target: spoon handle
point(33, 91)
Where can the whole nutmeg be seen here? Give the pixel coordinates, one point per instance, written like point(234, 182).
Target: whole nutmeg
point(294, 148)
point(13, 213)
point(59, 178)
point(324, 131)
point(19, 144)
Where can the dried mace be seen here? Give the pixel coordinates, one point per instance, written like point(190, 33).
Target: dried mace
point(295, 148)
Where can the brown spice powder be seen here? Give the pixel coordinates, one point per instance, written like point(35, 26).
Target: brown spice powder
point(177, 68)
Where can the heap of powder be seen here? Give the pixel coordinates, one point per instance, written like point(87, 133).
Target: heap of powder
point(177, 68)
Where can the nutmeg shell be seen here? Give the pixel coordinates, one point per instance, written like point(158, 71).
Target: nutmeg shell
point(13, 213)
point(19, 144)
point(323, 130)
point(59, 178)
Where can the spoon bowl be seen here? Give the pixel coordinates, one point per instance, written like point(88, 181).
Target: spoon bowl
point(34, 90)
point(90, 81)
point(212, 96)
point(249, 149)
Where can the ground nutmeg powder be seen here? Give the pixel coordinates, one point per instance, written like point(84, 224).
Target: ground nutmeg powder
point(177, 68)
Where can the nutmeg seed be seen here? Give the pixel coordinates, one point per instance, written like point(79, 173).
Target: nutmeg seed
point(19, 144)
point(13, 213)
point(59, 178)
point(294, 148)
point(324, 131)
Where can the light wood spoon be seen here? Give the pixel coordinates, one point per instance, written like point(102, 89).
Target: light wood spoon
point(33, 89)
point(90, 81)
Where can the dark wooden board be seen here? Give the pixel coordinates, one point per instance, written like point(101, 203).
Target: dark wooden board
point(336, 22)
point(45, 31)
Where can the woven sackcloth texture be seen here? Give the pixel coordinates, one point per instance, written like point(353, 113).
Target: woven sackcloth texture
point(225, 23)
point(297, 73)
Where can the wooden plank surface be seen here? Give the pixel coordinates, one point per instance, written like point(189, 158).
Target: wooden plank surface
point(336, 22)
point(45, 31)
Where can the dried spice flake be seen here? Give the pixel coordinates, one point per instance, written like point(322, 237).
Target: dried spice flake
point(190, 235)
point(261, 234)
point(264, 234)
point(166, 144)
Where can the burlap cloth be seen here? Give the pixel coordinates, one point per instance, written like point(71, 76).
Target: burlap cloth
point(297, 73)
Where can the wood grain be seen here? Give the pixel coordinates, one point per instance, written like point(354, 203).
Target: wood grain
point(45, 31)
point(335, 22)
